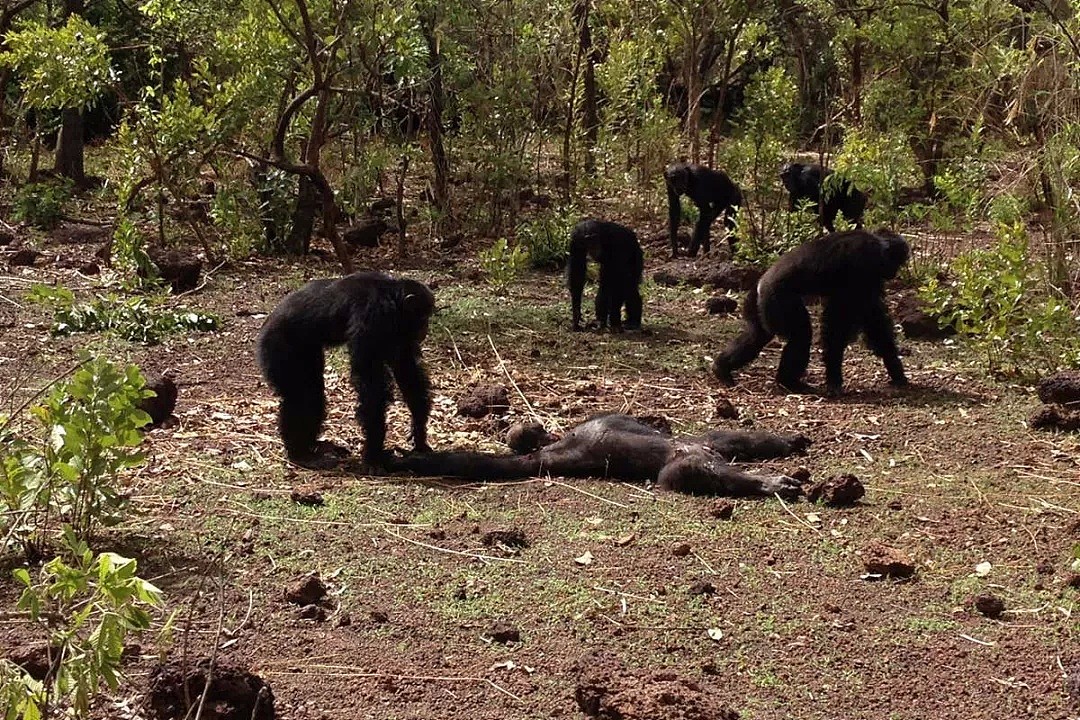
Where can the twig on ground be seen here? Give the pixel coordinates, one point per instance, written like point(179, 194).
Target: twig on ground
point(792, 514)
point(462, 553)
point(346, 671)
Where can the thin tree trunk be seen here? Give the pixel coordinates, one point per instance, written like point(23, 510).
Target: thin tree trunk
point(69, 142)
point(590, 121)
point(437, 100)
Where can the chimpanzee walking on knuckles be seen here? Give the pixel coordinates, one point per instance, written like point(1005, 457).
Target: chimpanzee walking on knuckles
point(383, 321)
point(712, 192)
point(616, 249)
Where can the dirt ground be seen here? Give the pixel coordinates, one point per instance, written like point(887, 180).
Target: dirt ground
point(550, 598)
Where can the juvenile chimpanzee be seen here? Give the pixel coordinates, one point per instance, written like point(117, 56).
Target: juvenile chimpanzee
point(621, 261)
point(714, 194)
point(803, 182)
point(383, 321)
point(622, 448)
point(848, 271)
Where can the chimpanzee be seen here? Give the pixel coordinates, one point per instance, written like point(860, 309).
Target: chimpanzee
point(848, 271)
point(803, 182)
point(383, 321)
point(712, 191)
point(616, 249)
point(622, 448)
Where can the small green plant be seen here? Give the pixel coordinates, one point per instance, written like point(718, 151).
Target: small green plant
point(42, 204)
point(129, 250)
point(137, 319)
point(546, 237)
point(502, 264)
point(69, 472)
point(86, 610)
point(998, 303)
point(789, 230)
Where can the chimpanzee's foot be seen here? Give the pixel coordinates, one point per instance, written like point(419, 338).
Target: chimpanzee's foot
point(326, 447)
point(314, 460)
point(722, 370)
point(794, 387)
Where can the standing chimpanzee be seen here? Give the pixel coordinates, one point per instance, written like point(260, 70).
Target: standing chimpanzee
point(383, 321)
point(623, 448)
point(622, 263)
point(848, 271)
point(803, 182)
point(712, 191)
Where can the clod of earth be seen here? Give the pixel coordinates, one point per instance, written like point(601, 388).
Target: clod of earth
point(161, 405)
point(512, 539)
point(1072, 686)
point(726, 410)
point(179, 270)
point(379, 617)
point(734, 277)
point(1062, 388)
point(306, 495)
point(6, 238)
point(484, 400)
point(722, 509)
point(721, 305)
point(702, 587)
point(989, 605)
point(504, 632)
point(802, 474)
point(883, 561)
point(308, 590)
point(917, 322)
point(1055, 417)
point(836, 491)
point(895, 504)
point(234, 694)
point(312, 612)
point(607, 691)
point(1073, 580)
point(680, 549)
point(23, 258)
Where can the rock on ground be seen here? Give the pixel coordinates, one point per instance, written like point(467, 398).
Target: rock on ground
point(234, 693)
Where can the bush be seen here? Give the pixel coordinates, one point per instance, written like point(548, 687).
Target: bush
point(502, 264)
point(90, 432)
point(42, 204)
point(85, 610)
point(998, 303)
point(546, 237)
point(135, 319)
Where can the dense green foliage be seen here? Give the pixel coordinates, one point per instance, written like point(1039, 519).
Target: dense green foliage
point(138, 319)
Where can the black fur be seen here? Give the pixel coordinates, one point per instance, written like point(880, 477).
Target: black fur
point(714, 194)
point(803, 182)
point(621, 448)
point(383, 321)
point(848, 270)
point(621, 261)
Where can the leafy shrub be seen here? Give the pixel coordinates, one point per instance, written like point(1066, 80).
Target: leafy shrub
point(129, 250)
point(86, 610)
point(789, 230)
point(880, 164)
point(502, 264)
point(998, 303)
point(90, 432)
point(42, 204)
point(546, 237)
point(136, 319)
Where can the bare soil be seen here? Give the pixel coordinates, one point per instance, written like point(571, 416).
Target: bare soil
point(769, 613)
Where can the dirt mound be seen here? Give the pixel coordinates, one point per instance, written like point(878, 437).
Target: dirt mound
point(1055, 417)
point(513, 539)
point(308, 590)
point(34, 659)
point(721, 305)
point(74, 233)
point(1062, 388)
point(734, 277)
point(607, 691)
point(882, 561)
point(989, 605)
point(726, 410)
point(722, 509)
point(503, 632)
point(524, 438)
point(234, 694)
point(837, 491)
point(161, 406)
point(917, 322)
point(483, 400)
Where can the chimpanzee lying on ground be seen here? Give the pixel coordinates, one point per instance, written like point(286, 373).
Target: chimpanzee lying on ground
point(714, 194)
point(803, 182)
point(384, 322)
point(848, 270)
point(621, 261)
point(621, 448)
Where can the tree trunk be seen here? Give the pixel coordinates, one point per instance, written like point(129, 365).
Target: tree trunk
point(590, 121)
point(693, 99)
point(437, 101)
point(69, 146)
point(303, 219)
